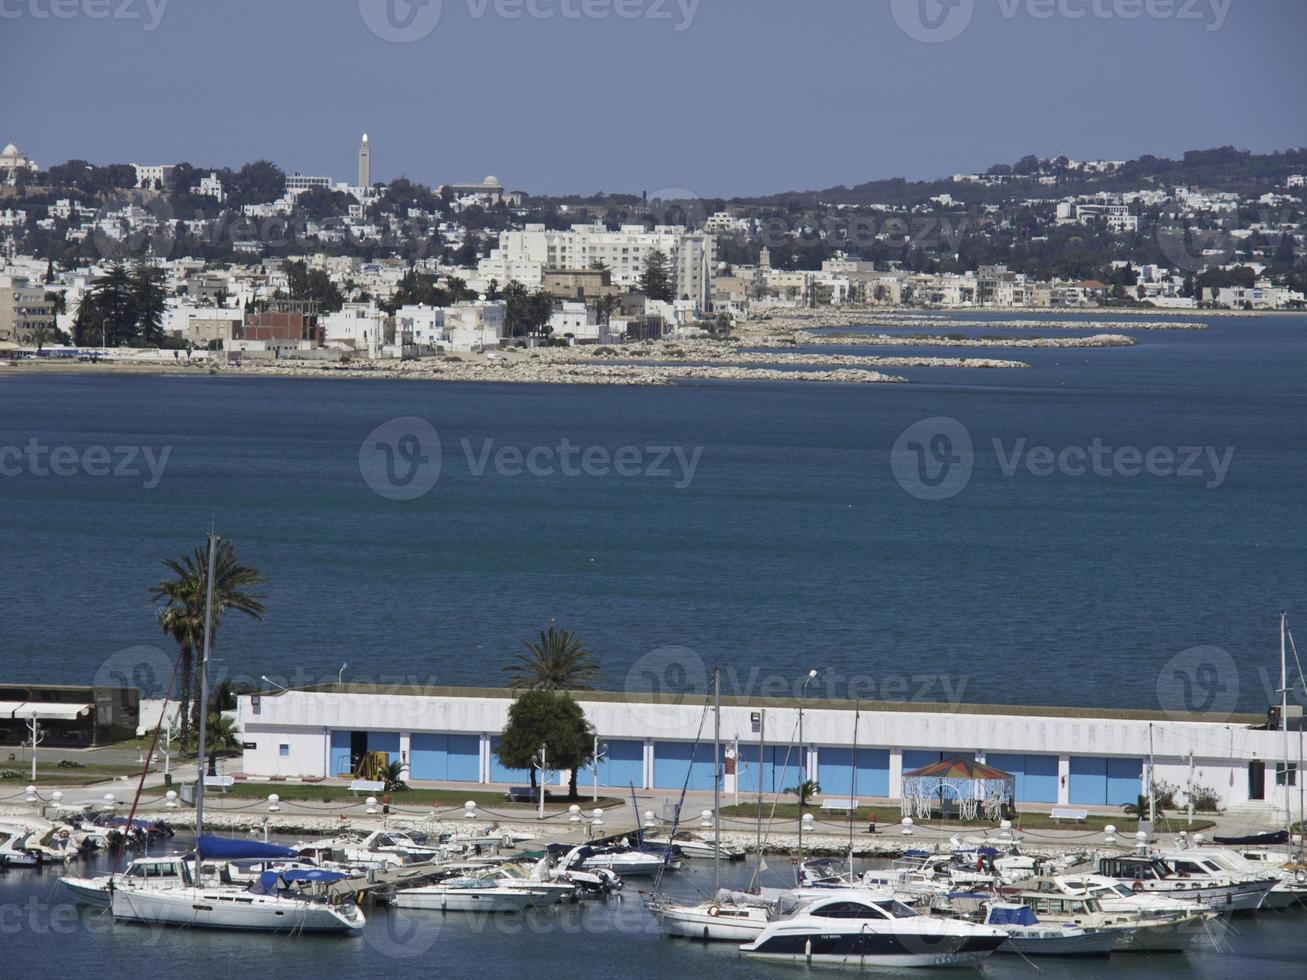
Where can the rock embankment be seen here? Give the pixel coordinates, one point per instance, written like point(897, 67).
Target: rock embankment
point(1037, 320)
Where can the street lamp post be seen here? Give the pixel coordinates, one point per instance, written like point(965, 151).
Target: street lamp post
point(541, 767)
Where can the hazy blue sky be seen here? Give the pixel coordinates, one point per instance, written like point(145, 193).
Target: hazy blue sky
point(720, 97)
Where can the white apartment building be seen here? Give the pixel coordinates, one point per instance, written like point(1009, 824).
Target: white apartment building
point(298, 183)
point(151, 176)
point(1116, 217)
point(360, 326)
point(524, 255)
point(211, 186)
point(576, 320)
point(425, 324)
point(477, 325)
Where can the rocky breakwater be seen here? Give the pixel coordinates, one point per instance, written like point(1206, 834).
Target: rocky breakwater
point(805, 338)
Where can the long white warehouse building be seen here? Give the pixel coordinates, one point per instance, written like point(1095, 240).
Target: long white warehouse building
point(1068, 756)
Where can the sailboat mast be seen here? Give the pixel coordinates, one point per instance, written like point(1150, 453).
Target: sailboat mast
point(1284, 726)
point(717, 781)
point(204, 696)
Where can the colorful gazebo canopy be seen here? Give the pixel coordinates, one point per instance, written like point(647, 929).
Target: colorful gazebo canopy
point(974, 786)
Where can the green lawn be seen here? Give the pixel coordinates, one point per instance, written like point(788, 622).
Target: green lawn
point(328, 793)
point(888, 816)
point(50, 774)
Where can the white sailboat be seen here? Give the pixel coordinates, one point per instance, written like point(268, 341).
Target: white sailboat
point(291, 901)
point(726, 916)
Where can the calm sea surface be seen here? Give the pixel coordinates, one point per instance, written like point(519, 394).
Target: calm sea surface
point(778, 534)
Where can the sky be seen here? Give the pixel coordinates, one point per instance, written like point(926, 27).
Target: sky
point(673, 97)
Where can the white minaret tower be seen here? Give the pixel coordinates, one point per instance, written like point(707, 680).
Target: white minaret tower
point(365, 163)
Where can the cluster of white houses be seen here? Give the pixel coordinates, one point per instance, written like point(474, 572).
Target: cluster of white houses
point(1058, 755)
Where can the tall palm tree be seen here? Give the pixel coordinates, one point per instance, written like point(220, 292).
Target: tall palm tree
point(182, 616)
point(558, 662)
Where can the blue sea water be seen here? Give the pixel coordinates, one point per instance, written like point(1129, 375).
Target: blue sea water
point(790, 545)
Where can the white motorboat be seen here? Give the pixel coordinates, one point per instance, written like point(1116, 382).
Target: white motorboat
point(870, 929)
point(1170, 924)
point(1133, 931)
point(1197, 880)
point(467, 895)
point(1027, 936)
point(1292, 886)
point(730, 916)
point(625, 861)
point(381, 849)
point(544, 891)
point(695, 846)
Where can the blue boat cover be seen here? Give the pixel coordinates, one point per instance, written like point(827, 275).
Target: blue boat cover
point(270, 880)
point(916, 854)
point(1008, 915)
point(232, 849)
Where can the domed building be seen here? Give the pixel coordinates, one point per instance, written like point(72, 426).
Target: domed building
point(13, 160)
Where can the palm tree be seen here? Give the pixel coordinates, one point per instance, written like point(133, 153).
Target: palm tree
point(805, 791)
point(558, 662)
point(182, 616)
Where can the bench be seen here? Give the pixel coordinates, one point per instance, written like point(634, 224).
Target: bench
point(223, 783)
point(843, 803)
point(367, 786)
point(520, 794)
point(1069, 813)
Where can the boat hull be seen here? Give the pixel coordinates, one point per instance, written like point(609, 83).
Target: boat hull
point(206, 909)
point(699, 923)
point(514, 900)
point(869, 950)
point(1081, 944)
point(92, 892)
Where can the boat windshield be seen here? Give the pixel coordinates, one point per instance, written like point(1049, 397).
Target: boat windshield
point(896, 910)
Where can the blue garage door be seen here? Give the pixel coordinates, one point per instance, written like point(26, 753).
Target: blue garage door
point(773, 771)
point(1123, 785)
point(339, 762)
point(622, 765)
point(835, 771)
point(1036, 775)
point(1097, 781)
point(916, 758)
point(446, 758)
point(673, 761)
point(500, 774)
point(387, 742)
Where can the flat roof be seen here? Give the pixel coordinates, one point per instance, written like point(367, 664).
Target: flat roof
point(811, 704)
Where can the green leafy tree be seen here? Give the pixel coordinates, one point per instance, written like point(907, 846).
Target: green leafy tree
point(313, 285)
point(558, 661)
point(182, 615)
point(553, 720)
point(656, 278)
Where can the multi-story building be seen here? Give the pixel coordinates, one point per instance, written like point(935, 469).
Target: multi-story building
point(526, 255)
point(152, 177)
point(24, 311)
point(298, 183)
